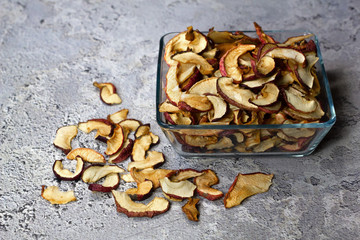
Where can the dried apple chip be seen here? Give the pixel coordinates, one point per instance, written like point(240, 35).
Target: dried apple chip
point(108, 93)
point(55, 196)
point(204, 183)
point(63, 138)
point(65, 174)
point(87, 154)
point(246, 185)
point(111, 182)
point(190, 209)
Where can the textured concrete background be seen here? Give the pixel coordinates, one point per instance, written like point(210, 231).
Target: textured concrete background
point(52, 51)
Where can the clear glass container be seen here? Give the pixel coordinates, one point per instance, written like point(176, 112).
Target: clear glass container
point(304, 146)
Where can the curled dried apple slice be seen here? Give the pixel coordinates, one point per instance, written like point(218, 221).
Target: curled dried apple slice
point(304, 74)
point(125, 205)
point(287, 53)
point(266, 144)
point(141, 145)
point(219, 106)
point(299, 101)
point(178, 190)
point(111, 182)
point(272, 108)
point(194, 103)
point(293, 40)
point(184, 174)
point(87, 154)
point(265, 65)
point(246, 185)
point(94, 173)
point(190, 209)
point(264, 38)
point(142, 191)
point(259, 82)
point(142, 130)
point(172, 88)
point(185, 71)
point(223, 37)
point(123, 153)
point(108, 93)
point(153, 159)
point(154, 175)
point(187, 84)
point(297, 132)
point(205, 68)
point(64, 136)
point(55, 196)
point(130, 124)
point(316, 115)
point(297, 146)
point(234, 94)
point(200, 141)
point(205, 86)
point(167, 106)
point(116, 141)
point(222, 143)
point(118, 116)
point(178, 119)
point(127, 177)
point(103, 126)
point(229, 65)
point(204, 183)
point(65, 174)
point(267, 96)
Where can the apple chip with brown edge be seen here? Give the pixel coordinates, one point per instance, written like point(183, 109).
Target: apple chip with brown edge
point(141, 145)
point(153, 159)
point(177, 190)
point(203, 185)
point(125, 205)
point(64, 136)
point(154, 175)
point(103, 126)
point(123, 153)
point(190, 209)
point(142, 191)
point(65, 174)
point(55, 196)
point(116, 141)
point(111, 182)
point(184, 174)
point(108, 93)
point(118, 116)
point(87, 154)
point(94, 173)
point(246, 185)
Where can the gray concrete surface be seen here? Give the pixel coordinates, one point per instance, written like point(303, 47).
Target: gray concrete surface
point(52, 51)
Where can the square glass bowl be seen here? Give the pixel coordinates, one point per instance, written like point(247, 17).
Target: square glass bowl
point(176, 134)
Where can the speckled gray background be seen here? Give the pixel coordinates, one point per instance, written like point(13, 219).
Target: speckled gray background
point(52, 51)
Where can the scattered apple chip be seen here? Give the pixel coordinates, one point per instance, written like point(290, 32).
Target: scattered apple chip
point(94, 173)
point(153, 159)
point(55, 196)
point(123, 153)
point(116, 141)
point(103, 126)
point(141, 145)
point(142, 191)
point(184, 174)
point(118, 116)
point(178, 190)
point(190, 209)
point(133, 209)
point(108, 93)
point(154, 175)
point(65, 174)
point(64, 136)
point(204, 183)
point(246, 185)
point(87, 154)
point(111, 182)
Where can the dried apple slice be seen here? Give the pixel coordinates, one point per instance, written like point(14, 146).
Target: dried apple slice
point(94, 173)
point(103, 126)
point(204, 183)
point(87, 154)
point(184, 174)
point(153, 159)
point(304, 74)
point(111, 182)
point(287, 53)
point(108, 93)
point(187, 84)
point(219, 106)
point(223, 37)
point(64, 136)
point(259, 82)
point(190, 209)
point(127, 177)
point(185, 71)
point(141, 145)
point(316, 115)
point(123, 153)
point(265, 65)
point(223, 143)
point(246, 185)
point(142, 191)
point(293, 40)
point(267, 96)
point(65, 174)
point(172, 88)
point(294, 147)
point(118, 116)
point(178, 119)
point(194, 103)
point(125, 205)
point(116, 141)
point(234, 94)
point(205, 68)
point(266, 145)
point(55, 196)
point(200, 141)
point(142, 130)
point(297, 132)
point(264, 38)
point(273, 108)
point(178, 190)
point(299, 101)
point(130, 124)
point(167, 106)
point(154, 175)
point(229, 66)
point(205, 86)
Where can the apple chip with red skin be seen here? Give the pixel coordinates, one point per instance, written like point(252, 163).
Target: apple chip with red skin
point(154, 175)
point(116, 141)
point(94, 173)
point(204, 183)
point(111, 182)
point(177, 190)
point(184, 174)
point(64, 136)
point(142, 191)
point(65, 174)
point(246, 185)
point(118, 116)
point(190, 209)
point(125, 205)
point(108, 93)
point(87, 154)
point(55, 196)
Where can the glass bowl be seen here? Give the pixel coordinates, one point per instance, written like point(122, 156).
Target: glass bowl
point(177, 134)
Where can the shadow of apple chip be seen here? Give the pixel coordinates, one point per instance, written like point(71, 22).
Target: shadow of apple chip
point(246, 185)
point(55, 196)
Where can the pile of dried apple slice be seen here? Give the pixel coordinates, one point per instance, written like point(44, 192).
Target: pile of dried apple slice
point(227, 78)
